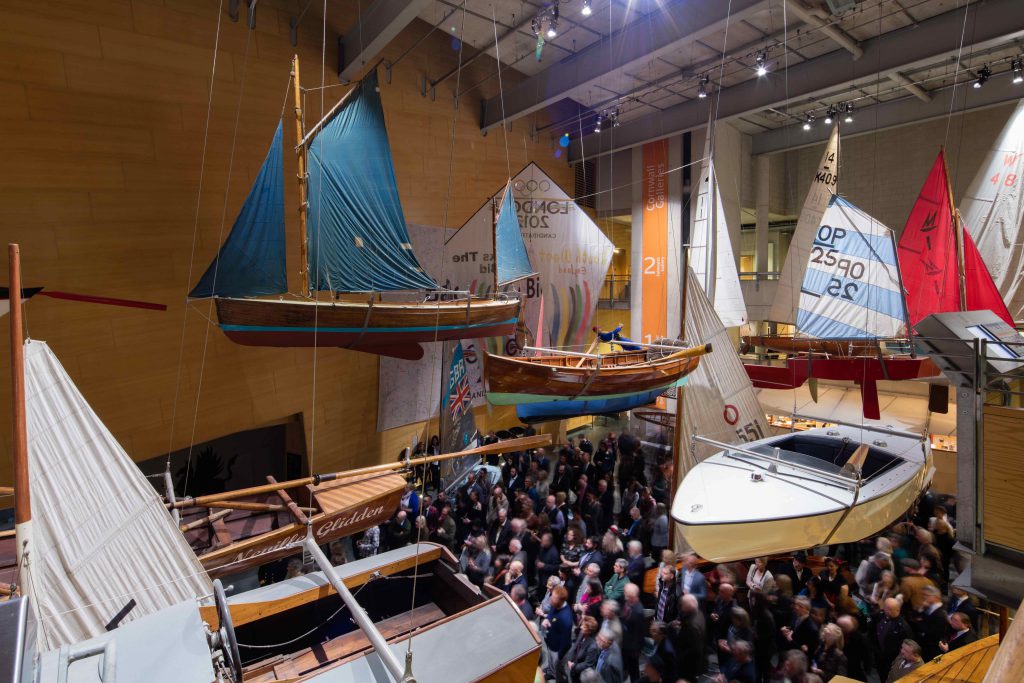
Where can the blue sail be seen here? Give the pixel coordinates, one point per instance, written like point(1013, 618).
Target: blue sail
point(357, 237)
point(513, 261)
point(251, 262)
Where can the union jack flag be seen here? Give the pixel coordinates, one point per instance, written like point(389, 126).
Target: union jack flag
point(458, 399)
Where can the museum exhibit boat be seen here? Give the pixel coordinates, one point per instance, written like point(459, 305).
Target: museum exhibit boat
point(354, 245)
point(799, 490)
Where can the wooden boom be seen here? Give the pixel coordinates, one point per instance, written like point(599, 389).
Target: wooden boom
point(520, 444)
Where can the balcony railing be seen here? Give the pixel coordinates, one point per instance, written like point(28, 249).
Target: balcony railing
point(615, 292)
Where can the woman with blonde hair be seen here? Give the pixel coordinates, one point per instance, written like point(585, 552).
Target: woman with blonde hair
point(829, 660)
point(759, 578)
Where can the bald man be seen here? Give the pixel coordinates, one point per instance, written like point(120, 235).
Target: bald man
point(890, 632)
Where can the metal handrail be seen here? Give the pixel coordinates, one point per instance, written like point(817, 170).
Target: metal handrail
point(846, 482)
point(865, 427)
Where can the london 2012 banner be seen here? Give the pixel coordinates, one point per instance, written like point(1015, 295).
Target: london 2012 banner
point(567, 250)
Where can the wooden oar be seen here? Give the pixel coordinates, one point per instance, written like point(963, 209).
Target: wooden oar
point(210, 519)
point(521, 444)
point(856, 461)
point(254, 507)
point(589, 351)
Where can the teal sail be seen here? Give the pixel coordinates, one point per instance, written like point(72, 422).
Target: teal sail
point(357, 237)
point(513, 261)
point(251, 262)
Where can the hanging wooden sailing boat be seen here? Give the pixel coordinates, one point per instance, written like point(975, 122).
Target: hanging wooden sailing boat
point(993, 209)
point(353, 241)
point(799, 490)
point(852, 293)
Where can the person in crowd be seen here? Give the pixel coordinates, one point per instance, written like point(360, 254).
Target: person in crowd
point(801, 633)
point(931, 624)
point(610, 620)
point(652, 670)
point(584, 651)
point(691, 579)
point(556, 624)
point(961, 632)
point(960, 601)
point(659, 531)
point(798, 571)
point(829, 581)
point(475, 561)
point(634, 630)
point(909, 659)
point(609, 663)
point(794, 666)
point(721, 613)
point(912, 585)
point(615, 587)
point(886, 587)
point(545, 601)
point(514, 576)
point(497, 503)
point(636, 562)
point(369, 543)
point(556, 518)
point(516, 552)
point(870, 572)
point(591, 555)
point(739, 629)
point(759, 577)
point(891, 630)
point(763, 625)
point(410, 503)
point(690, 636)
point(856, 648)
point(399, 530)
point(667, 596)
point(294, 569)
point(548, 560)
point(445, 531)
point(591, 598)
point(518, 595)
point(829, 660)
point(739, 668)
point(634, 530)
point(612, 550)
point(591, 573)
point(664, 650)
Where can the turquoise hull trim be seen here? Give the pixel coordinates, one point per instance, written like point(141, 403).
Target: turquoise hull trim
point(561, 410)
point(356, 330)
point(506, 399)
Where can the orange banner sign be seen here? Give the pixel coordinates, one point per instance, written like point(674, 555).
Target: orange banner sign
point(654, 277)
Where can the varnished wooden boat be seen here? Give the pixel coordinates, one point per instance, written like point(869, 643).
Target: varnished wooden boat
point(514, 381)
point(795, 345)
point(390, 329)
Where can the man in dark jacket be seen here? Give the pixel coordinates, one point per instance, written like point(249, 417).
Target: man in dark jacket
point(690, 635)
point(557, 625)
point(548, 559)
point(584, 651)
point(890, 632)
point(855, 647)
point(609, 658)
point(961, 632)
point(636, 562)
point(634, 630)
point(931, 624)
point(802, 632)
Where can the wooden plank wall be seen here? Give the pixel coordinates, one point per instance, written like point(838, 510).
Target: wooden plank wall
point(103, 107)
point(1003, 477)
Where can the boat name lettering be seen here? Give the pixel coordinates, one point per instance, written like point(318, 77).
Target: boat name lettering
point(326, 529)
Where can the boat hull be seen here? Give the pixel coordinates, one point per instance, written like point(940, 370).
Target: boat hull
point(531, 413)
point(736, 507)
point(544, 379)
point(789, 344)
point(390, 329)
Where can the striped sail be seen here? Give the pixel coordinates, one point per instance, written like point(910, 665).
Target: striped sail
point(851, 287)
point(823, 186)
point(711, 254)
point(993, 211)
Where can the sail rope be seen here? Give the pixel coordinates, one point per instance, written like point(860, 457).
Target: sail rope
point(956, 73)
point(195, 233)
point(216, 263)
point(501, 90)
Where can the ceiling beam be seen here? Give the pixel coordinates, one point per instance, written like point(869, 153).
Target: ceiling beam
point(627, 50)
point(991, 23)
point(374, 29)
point(894, 113)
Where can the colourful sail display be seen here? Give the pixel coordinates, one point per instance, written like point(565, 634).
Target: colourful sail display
point(823, 187)
point(251, 262)
point(929, 257)
point(358, 239)
point(513, 262)
point(851, 287)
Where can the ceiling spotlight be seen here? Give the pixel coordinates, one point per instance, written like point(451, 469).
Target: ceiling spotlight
point(600, 120)
point(830, 114)
point(809, 122)
point(615, 118)
point(1018, 70)
point(553, 22)
point(586, 8)
point(702, 87)
point(849, 113)
point(760, 63)
point(983, 75)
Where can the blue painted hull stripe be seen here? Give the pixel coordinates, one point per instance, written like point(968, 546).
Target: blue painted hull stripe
point(355, 330)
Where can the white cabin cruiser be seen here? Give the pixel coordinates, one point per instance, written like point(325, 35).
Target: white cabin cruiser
point(800, 489)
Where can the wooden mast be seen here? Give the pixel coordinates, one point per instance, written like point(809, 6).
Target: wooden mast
point(303, 176)
point(494, 244)
point(22, 499)
point(677, 435)
point(958, 234)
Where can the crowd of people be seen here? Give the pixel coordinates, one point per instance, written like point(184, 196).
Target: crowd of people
point(578, 537)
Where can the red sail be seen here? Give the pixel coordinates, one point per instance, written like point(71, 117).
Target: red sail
point(982, 293)
point(927, 250)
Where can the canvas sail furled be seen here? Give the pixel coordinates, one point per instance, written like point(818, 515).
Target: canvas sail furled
point(101, 536)
point(357, 237)
point(513, 263)
point(718, 399)
point(711, 254)
point(852, 286)
point(823, 186)
point(993, 210)
point(928, 257)
point(458, 426)
point(251, 262)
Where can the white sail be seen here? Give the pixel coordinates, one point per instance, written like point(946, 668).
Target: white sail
point(851, 287)
point(993, 211)
point(101, 537)
point(823, 186)
point(718, 399)
point(711, 254)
